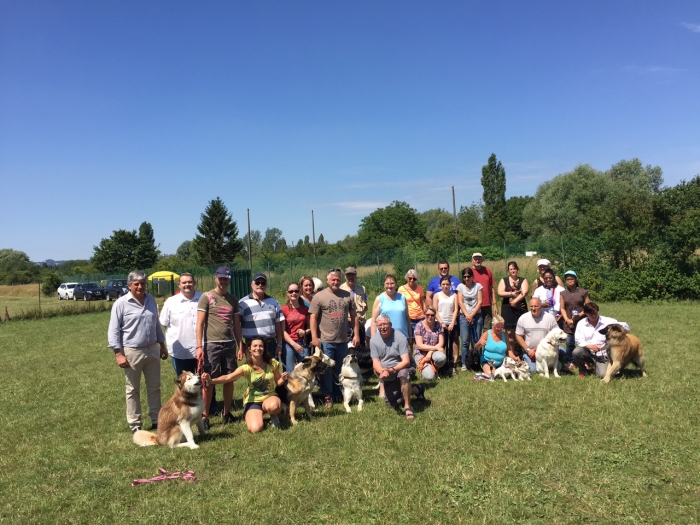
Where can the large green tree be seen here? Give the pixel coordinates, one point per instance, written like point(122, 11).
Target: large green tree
point(147, 253)
point(117, 252)
point(273, 242)
point(16, 268)
point(493, 181)
point(395, 226)
point(217, 240)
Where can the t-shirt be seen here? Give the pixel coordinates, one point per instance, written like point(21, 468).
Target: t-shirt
point(534, 330)
point(550, 298)
point(434, 284)
point(414, 301)
point(389, 350)
point(260, 317)
point(471, 297)
point(295, 318)
point(179, 317)
point(484, 277)
point(430, 337)
point(573, 301)
point(332, 310)
point(220, 310)
point(261, 384)
point(395, 310)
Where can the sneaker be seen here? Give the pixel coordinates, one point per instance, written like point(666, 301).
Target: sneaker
point(134, 430)
point(582, 375)
point(205, 424)
point(328, 402)
point(464, 368)
point(227, 418)
point(570, 367)
point(275, 422)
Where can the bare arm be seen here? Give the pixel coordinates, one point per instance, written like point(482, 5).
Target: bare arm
point(228, 378)
point(502, 289)
point(201, 320)
point(313, 321)
point(375, 313)
point(494, 299)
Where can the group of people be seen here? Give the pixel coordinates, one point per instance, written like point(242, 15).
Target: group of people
point(409, 331)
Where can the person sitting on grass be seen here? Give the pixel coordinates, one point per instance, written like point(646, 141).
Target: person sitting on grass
point(391, 362)
point(429, 350)
point(262, 373)
point(494, 347)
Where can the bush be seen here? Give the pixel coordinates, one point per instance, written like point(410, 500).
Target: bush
point(51, 282)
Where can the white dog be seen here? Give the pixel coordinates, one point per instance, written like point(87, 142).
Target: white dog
point(351, 382)
point(522, 370)
point(507, 368)
point(547, 354)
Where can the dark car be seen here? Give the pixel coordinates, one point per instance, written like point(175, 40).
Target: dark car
point(115, 289)
point(88, 292)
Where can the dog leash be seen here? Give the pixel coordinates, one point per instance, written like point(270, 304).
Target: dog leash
point(186, 476)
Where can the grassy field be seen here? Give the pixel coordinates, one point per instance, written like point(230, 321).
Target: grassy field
point(566, 450)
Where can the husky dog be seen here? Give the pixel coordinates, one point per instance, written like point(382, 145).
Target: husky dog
point(351, 382)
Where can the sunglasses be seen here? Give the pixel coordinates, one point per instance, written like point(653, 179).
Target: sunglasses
point(499, 326)
point(430, 315)
point(292, 291)
point(412, 279)
point(334, 270)
point(260, 283)
point(443, 269)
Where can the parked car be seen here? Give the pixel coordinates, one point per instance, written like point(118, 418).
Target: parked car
point(88, 292)
point(115, 289)
point(65, 291)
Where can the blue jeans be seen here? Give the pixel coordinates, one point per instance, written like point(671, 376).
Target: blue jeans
point(470, 334)
point(570, 345)
point(180, 365)
point(290, 357)
point(337, 352)
point(413, 325)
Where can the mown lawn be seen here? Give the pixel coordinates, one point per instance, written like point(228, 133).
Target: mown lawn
point(566, 450)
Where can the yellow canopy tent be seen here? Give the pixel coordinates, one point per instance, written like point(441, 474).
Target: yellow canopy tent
point(164, 274)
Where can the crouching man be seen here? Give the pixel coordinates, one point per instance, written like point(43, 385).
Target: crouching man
point(591, 352)
point(392, 363)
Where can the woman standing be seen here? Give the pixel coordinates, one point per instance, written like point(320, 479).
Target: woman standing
point(573, 300)
point(550, 295)
point(296, 328)
point(413, 292)
point(306, 284)
point(393, 305)
point(447, 314)
point(428, 352)
point(262, 373)
point(469, 298)
point(513, 289)
point(495, 348)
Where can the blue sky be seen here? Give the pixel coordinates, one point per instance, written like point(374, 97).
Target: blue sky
point(113, 113)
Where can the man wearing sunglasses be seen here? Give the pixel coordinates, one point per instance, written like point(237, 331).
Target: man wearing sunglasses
point(330, 311)
point(261, 316)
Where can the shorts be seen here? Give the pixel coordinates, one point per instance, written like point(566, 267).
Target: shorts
point(220, 358)
point(392, 387)
point(251, 406)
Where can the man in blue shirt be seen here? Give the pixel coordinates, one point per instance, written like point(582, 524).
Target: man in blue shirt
point(434, 284)
point(136, 337)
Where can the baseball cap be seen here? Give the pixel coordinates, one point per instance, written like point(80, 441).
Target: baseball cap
point(571, 272)
point(260, 276)
point(544, 262)
point(350, 269)
point(223, 271)
point(477, 254)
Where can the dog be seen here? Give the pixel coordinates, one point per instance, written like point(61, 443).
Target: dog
point(547, 354)
point(351, 382)
point(522, 370)
point(623, 349)
point(330, 363)
point(507, 368)
point(302, 380)
point(177, 416)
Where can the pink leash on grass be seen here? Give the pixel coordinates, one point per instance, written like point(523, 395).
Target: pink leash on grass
point(187, 476)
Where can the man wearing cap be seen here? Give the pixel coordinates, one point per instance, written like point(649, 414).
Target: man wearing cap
point(218, 331)
point(542, 266)
point(359, 295)
point(179, 318)
point(137, 339)
point(261, 316)
point(484, 277)
point(330, 310)
point(434, 284)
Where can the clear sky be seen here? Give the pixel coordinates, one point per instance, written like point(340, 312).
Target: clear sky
point(118, 112)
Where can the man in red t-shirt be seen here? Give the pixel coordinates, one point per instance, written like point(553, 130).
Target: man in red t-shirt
point(484, 277)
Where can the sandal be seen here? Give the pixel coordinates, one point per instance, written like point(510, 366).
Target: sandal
point(420, 396)
point(409, 413)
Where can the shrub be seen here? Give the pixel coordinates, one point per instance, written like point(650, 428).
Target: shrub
point(51, 282)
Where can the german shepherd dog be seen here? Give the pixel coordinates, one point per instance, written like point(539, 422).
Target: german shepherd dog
point(623, 349)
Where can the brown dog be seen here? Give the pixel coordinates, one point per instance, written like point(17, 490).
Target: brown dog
point(177, 416)
point(623, 349)
point(301, 383)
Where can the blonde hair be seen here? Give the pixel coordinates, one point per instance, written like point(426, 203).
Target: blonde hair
point(497, 319)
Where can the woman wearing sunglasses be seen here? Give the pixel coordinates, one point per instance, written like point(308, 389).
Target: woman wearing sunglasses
point(296, 328)
point(429, 350)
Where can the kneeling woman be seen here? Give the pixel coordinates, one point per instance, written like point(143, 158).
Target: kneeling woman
point(495, 347)
point(262, 373)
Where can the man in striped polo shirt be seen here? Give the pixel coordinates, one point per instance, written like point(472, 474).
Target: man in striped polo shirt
point(261, 316)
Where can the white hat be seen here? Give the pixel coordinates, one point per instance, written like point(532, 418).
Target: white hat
point(544, 262)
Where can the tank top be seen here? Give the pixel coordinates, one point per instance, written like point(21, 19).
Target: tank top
point(395, 310)
point(495, 351)
point(522, 305)
point(445, 307)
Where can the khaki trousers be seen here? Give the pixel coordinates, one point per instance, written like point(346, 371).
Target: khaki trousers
point(145, 359)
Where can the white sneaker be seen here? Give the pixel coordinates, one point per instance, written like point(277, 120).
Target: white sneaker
point(464, 368)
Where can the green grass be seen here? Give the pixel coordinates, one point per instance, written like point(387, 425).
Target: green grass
point(18, 306)
point(566, 450)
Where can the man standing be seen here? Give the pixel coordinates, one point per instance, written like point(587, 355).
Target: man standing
point(434, 284)
point(218, 331)
point(591, 350)
point(484, 277)
point(261, 316)
point(359, 295)
point(179, 317)
point(532, 327)
point(392, 363)
point(330, 311)
point(137, 339)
